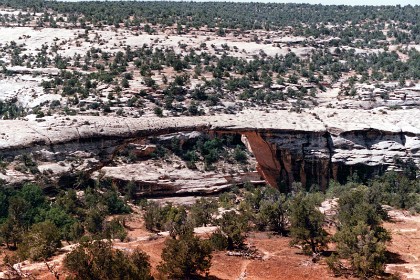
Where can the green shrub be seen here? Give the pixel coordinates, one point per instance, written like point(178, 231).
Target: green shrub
point(218, 240)
point(97, 260)
point(239, 155)
point(202, 211)
point(360, 236)
point(40, 242)
point(306, 223)
point(234, 226)
point(186, 257)
point(115, 229)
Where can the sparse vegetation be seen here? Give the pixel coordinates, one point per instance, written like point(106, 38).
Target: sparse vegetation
point(148, 63)
point(35, 227)
point(360, 236)
point(98, 260)
point(186, 257)
point(307, 223)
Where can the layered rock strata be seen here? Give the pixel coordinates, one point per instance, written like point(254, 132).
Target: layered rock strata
point(310, 147)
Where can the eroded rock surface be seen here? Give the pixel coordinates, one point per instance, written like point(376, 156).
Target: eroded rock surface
point(311, 147)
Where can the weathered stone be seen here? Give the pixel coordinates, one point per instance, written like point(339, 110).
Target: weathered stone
point(310, 147)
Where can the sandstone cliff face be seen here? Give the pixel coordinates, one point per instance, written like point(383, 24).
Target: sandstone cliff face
point(362, 141)
point(286, 157)
point(310, 147)
point(315, 158)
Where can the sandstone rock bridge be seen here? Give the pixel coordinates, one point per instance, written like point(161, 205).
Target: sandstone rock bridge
point(310, 147)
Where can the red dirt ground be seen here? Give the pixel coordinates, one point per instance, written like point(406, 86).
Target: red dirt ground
point(405, 229)
point(280, 261)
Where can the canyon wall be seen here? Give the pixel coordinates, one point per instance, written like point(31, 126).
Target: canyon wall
point(311, 147)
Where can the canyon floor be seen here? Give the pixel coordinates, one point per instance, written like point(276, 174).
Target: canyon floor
point(278, 259)
point(83, 100)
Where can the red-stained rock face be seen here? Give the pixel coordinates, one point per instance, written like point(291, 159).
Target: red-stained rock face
point(265, 153)
point(288, 147)
point(286, 157)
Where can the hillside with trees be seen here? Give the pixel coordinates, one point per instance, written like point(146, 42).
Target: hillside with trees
point(209, 140)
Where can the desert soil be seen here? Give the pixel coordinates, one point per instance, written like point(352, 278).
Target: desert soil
point(279, 260)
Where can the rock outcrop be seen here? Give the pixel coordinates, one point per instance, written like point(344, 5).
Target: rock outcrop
point(153, 181)
point(310, 147)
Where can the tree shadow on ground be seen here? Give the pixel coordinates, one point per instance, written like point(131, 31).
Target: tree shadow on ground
point(394, 258)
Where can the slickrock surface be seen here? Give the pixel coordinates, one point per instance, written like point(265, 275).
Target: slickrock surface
point(312, 147)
